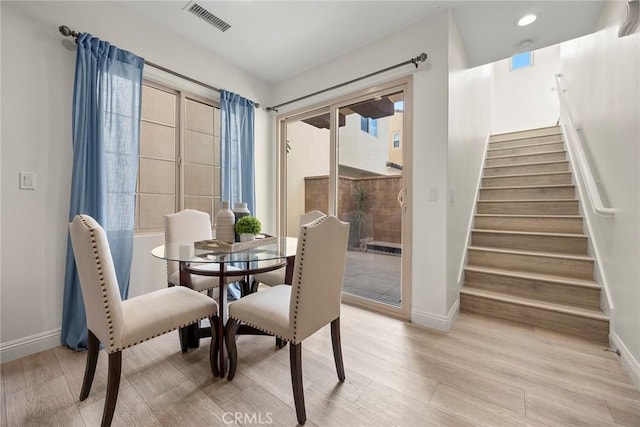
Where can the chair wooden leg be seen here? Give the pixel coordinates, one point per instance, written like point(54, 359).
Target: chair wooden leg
point(213, 346)
point(254, 286)
point(90, 369)
point(295, 359)
point(337, 348)
point(232, 351)
point(193, 335)
point(183, 335)
point(113, 385)
point(182, 332)
point(280, 342)
point(245, 288)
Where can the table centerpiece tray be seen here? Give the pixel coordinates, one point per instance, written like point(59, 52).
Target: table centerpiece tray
point(220, 246)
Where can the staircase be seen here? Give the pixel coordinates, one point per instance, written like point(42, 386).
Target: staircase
point(528, 259)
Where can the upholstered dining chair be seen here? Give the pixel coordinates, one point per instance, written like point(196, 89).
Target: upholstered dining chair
point(295, 312)
point(190, 225)
point(276, 277)
point(121, 324)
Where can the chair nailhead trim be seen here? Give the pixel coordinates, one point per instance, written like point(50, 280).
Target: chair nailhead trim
point(106, 303)
point(294, 339)
point(103, 287)
point(158, 334)
point(262, 329)
point(300, 269)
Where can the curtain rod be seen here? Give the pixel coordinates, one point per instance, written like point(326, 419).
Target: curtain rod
point(67, 32)
point(420, 58)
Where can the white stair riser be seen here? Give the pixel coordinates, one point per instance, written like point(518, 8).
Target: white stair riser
point(560, 244)
point(561, 322)
point(529, 149)
point(498, 145)
point(526, 169)
point(549, 225)
point(527, 158)
point(529, 208)
point(534, 289)
point(541, 193)
point(565, 267)
point(526, 180)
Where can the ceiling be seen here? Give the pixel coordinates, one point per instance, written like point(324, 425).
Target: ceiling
point(275, 40)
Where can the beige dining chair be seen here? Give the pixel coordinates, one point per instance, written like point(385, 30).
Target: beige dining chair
point(121, 324)
point(190, 225)
point(276, 277)
point(293, 313)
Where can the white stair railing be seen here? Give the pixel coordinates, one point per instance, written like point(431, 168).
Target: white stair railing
point(577, 154)
point(586, 183)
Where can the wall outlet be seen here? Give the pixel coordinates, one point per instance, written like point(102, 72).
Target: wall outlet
point(27, 180)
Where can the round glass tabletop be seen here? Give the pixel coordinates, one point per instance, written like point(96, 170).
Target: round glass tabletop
point(283, 247)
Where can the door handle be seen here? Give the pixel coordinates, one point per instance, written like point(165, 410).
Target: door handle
point(401, 195)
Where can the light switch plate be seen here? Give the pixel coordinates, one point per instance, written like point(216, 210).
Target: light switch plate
point(27, 180)
point(433, 194)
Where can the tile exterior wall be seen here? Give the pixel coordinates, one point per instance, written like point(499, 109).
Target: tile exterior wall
point(384, 223)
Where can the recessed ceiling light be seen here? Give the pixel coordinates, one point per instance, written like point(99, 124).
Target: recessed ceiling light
point(527, 20)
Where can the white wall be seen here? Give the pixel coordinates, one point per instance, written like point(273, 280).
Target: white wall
point(309, 156)
point(37, 81)
point(523, 99)
point(362, 150)
point(429, 293)
point(600, 73)
point(470, 98)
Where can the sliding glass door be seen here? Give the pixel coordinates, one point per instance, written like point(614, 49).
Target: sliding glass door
point(369, 181)
point(349, 159)
point(306, 146)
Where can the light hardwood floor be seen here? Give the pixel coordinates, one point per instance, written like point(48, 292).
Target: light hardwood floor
point(484, 372)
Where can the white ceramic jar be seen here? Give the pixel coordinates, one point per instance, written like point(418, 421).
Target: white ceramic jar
point(225, 223)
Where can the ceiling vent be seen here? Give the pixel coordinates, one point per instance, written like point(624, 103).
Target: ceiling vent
point(207, 16)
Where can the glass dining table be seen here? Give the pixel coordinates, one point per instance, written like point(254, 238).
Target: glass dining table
point(268, 257)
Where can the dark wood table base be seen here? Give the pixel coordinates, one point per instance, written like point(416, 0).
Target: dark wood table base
point(190, 336)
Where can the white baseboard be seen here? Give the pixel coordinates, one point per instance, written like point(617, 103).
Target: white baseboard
point(436, 321)
point(629, 363)
point(30, 345)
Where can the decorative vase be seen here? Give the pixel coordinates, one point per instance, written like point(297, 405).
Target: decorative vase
point(240, 210)
point(225, 223)
point(247, 237)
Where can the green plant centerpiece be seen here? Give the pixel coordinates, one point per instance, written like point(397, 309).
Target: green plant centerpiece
point(247, 227)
